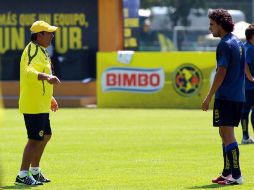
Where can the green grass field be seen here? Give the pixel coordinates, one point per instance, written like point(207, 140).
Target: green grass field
point(120, 149)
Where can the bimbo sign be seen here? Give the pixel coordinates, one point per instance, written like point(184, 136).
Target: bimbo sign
point(132, 79)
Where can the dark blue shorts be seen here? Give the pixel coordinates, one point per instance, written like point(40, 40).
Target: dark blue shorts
point(37, 125)
point(226, 113)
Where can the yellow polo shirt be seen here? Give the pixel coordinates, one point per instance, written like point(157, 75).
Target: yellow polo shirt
point(35, 95)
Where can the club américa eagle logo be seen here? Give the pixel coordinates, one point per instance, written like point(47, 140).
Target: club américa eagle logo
point(187, 80)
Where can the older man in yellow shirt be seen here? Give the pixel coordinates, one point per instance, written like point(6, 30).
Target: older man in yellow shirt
point(35, 101)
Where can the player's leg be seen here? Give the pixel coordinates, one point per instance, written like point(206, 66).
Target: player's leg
point(245, 117)
point(218, 110)
point(40, 149)
point(232, 152)
point(226, 172)
point(232, 118)
point(31, 148)
point(226, 167)
point(35, 165)
point(252, 117)
point(23, 177)
point(245, 122)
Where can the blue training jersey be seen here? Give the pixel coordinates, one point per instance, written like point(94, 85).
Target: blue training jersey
point(231, 55)
point(249, 59)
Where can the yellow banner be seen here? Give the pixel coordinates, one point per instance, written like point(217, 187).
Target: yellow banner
point(154, 79)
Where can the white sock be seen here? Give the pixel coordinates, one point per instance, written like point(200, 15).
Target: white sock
point(35, 170)
point(23, 173)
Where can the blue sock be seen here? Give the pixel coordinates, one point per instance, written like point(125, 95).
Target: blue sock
point(226, 168)
point(232, 152)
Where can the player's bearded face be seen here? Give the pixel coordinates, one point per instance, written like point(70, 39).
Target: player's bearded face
point(214, 28)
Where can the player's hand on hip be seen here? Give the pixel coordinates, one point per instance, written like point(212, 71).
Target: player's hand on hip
point(53, 80)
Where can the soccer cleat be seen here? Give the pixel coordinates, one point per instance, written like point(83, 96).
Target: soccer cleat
point(232, 181)
point(28, 180)
point(41, 178)
point(250, 140)
point(221, 178)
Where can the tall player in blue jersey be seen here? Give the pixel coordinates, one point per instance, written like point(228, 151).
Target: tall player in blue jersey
point(228, 87)
point(249, 85)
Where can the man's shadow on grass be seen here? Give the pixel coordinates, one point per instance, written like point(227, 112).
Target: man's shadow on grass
point(16, 187)
point(210, 186)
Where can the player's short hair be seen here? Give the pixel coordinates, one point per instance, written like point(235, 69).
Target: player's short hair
point(222, 18)
point(249, 32)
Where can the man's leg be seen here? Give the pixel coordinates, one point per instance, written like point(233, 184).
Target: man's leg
point(226, 172)
point(35, 130)
point(245, 121)
point(35, 165)
point(24, 177)
point(232, 151)
point(226, 167)
point(30, 150)
point(218, 113)
point(35, 162)
point(228, 135)
point(252, 118)
point(35, 169)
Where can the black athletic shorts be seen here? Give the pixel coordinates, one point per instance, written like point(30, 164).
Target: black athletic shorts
point(226, 113)
point(37, 125)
